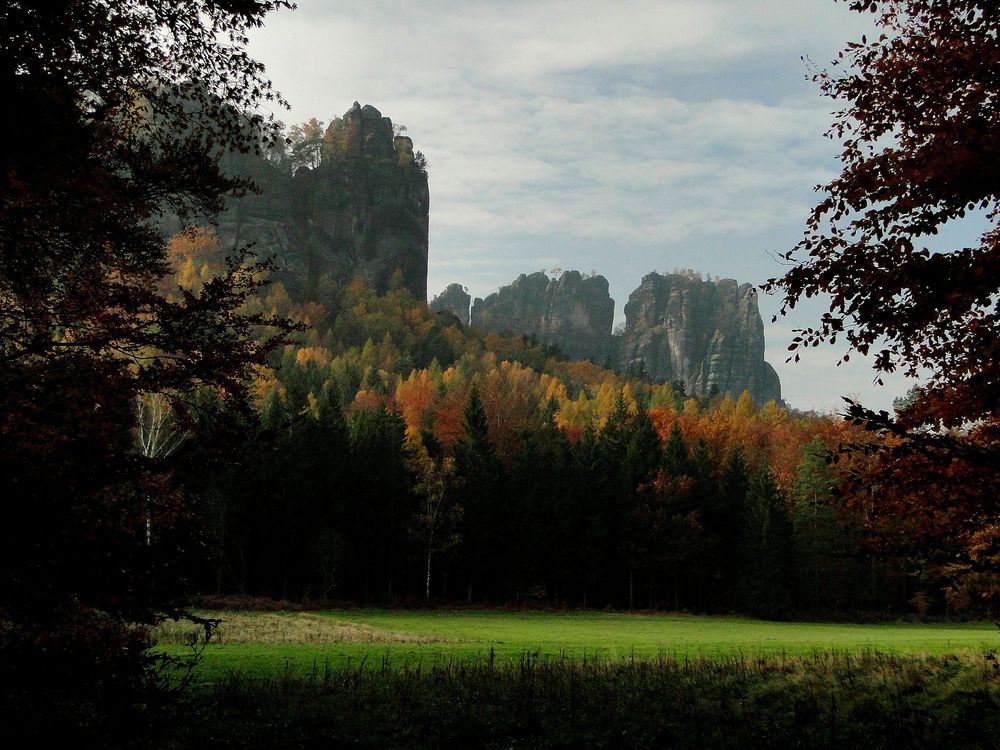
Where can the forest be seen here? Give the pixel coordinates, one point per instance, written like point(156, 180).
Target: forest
point(396, 457)
point(178, 425)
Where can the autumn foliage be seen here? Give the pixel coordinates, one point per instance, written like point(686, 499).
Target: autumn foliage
point(920, 131)
point(508, 474)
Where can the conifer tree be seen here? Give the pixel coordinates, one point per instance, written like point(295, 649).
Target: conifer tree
point(479, 474)
point(767, 553)
point(729, 526)
point(675, 453)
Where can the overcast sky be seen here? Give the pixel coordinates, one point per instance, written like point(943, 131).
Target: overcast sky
point(620, 137)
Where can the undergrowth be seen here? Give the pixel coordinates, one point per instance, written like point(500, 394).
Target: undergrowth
point(827, 700)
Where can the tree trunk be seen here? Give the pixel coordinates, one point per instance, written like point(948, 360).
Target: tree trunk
point(427, 586)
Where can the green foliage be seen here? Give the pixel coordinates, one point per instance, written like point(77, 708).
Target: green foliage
point(437, 524)
point(675, 453)
point(306, 144)
point(825, 576)
point(474, 422)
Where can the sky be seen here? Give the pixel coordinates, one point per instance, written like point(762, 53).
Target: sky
point(618, 137)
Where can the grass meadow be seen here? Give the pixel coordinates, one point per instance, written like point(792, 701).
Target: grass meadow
point(503, 679)
point(273, 643)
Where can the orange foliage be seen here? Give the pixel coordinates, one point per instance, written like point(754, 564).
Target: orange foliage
point(365, 400)
point(310, 313)
point(448, 415)
point(510, 397)
point(415, 397)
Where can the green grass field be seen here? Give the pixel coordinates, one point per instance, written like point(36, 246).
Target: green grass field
point(275, 643)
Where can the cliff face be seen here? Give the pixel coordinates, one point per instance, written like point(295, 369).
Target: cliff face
point(455, 300)
point(677, 327)
point(702, 333)
point(572, 312)
point(362, 208)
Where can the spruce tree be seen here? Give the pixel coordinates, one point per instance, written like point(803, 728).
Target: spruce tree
point(768, 554)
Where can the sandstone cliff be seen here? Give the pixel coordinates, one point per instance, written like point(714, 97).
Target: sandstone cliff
point(573, 313)
point(706, 334)
point(703, 333)
point(361, 208)
point(455, 300)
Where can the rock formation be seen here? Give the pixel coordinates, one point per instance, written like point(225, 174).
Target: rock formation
point(706, 334)
point(703, 333)
point(455, 300)
point(573, 313)
point(358, 204)
point(361, 208)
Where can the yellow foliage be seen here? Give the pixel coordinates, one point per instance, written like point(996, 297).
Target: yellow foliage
point(772, 413)
point(630, 402)
point(604, 403)
point(575, 413)
point(551, 387)
point(187, 276)
point(663, 396)
point(365, 400)
point(746, 409)
point(196, 257)
point(266, 384)
point(727, 407)
point(318, 355)
point(691, 407)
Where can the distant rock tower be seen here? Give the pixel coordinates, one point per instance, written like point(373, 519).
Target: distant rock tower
point(572, 312)
point(455, 300)
point(363, 210)
point(704, 333)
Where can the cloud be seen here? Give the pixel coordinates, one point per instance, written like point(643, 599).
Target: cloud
point(582, 134)
point(641, 168)
point(513, 42)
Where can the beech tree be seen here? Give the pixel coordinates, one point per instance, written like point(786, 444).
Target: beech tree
point(116, 112)
point(920, 129)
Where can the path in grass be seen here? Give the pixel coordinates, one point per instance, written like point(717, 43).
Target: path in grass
point(355, 637)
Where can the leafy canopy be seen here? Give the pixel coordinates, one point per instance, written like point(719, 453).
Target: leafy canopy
point(920, 128)
point(116, 113)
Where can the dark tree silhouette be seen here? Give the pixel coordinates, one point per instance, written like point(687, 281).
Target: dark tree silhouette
point(115, 113)
point(920, 129)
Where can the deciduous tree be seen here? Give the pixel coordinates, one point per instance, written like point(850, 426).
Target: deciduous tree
point(115, 112)
point(920, 130)
point(435, 525)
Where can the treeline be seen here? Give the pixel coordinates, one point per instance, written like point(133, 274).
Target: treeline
point(397, 456)
point(356, 506)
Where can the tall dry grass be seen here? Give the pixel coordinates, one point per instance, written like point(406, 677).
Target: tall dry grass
point(278, 627)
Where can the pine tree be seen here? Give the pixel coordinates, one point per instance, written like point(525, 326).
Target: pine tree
point(675, 453)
